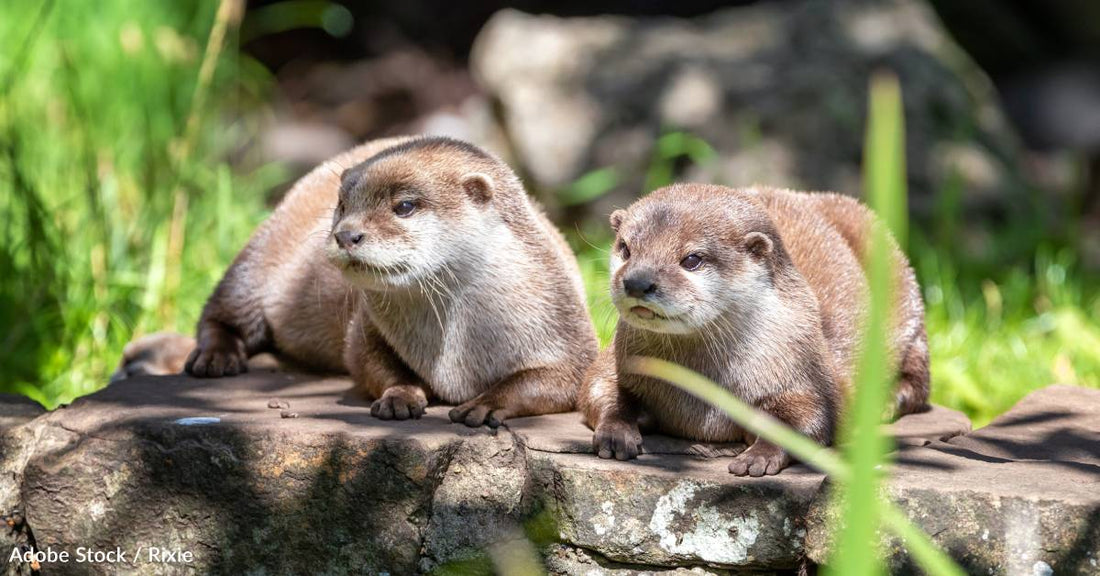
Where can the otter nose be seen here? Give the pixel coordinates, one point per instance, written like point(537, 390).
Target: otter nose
point(348, 239)
point(639, 284)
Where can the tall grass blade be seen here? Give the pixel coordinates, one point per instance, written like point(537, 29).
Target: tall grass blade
point(865, 447)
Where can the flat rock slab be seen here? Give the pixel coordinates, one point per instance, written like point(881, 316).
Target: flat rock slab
point(1056, 424)
point(286, 473)
point(1020, 496)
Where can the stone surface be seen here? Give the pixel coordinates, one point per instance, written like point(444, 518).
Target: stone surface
point(206, 466)
point(1057, 424)
point(16, 410)
point(209, 467)
point(778, 89)
point(567, 561)
point(1019, 496)
point(16, 444)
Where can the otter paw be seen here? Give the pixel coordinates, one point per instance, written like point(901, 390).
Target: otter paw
point(761, 458)
point(617, 439)
point(480, 411)
point(400, 403)
point(215, 361)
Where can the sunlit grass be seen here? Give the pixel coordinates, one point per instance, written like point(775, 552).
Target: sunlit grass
point(117, 220)
point(996, 339)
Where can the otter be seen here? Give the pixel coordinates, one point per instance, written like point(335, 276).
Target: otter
point(761, 290)
point(419, 266)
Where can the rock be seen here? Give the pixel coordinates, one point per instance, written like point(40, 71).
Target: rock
point(303, 145)
point(674, 511)
point(1055, 424)
point(16, 410)
point(683, 511)
point(567, 561)
point(1018, 496)
point(17, 443)
point(779, 90)
point(939, 423)
point(205, 466)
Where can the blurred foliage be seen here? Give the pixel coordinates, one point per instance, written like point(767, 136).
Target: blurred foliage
point(114, 222)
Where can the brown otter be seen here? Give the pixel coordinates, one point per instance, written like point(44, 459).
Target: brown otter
point(760, 290)
point(424, 270)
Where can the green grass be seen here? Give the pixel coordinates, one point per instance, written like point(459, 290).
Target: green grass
point(115, 219)
point(996, 337)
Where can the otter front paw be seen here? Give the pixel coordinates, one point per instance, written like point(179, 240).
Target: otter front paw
point(617, 439)
point(481, 410)
point(221, 358)
point(400, 403)
point(761, 458)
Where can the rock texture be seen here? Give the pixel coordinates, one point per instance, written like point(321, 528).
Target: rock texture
point(16, 444)
point(208, 467)
point(1020, 496)
point(778, 89)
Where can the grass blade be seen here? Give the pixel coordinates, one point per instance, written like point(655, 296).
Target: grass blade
point(865, 447)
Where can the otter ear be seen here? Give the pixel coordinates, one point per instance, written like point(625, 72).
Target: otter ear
point(617, 219)
point(350, 177)
point(758, 244)
point(478, 186)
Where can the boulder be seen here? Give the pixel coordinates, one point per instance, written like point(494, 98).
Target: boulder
point(281, 473)
point(778, 89)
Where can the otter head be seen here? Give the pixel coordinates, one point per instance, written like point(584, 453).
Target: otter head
point(686, 256)
point(409, 212)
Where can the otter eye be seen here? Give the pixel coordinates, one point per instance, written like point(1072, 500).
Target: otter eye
point(624, 250)
point(404, 208)
point(691, 262)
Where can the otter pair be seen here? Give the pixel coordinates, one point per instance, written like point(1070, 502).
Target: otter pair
point(420, 267)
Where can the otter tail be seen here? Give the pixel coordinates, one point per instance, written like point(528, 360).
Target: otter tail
point(156, 354)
